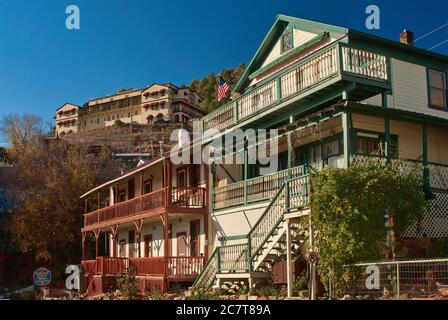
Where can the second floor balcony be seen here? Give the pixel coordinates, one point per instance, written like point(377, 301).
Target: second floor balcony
point(173, 199)
point(330, 68)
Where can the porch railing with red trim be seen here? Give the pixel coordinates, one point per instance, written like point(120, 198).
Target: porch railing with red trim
point(187, 197)
point(184, 266)
point(176, 267)
point(111, 265)
point(181, 197)
point(148, 266)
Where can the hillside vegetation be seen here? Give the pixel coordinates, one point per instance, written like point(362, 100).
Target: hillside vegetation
point(207, 86)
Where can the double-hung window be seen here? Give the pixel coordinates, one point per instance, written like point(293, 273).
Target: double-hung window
point(437, 89)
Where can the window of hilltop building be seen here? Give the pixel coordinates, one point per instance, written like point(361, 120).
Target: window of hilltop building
point(437, 89)
point(191, 97)
point(375, 144)
point(287, 42)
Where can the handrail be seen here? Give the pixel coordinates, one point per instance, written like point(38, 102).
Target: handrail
point(203, 274)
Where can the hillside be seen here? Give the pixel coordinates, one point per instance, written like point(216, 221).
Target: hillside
point(207, 86)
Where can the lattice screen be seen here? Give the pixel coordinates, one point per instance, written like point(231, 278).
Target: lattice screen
point(435, 220)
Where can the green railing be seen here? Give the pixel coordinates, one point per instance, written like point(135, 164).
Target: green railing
point(293, 193)
point(208, 273)
point(323, 65)
point(256, 189)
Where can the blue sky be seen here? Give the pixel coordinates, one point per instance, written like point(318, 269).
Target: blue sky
point(129, 44)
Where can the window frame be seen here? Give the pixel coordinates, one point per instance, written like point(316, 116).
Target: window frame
point(291, 41)
point(429, 87)
point(394, 138)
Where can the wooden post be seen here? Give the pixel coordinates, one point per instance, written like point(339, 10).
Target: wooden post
point(142, 189)
point(206, 204)
point(346, 134)
point(166, 253)
point(114, 232)
point(99, 200)
point(83, 249)
point(138, 228)
point(387, 137)
point(426, 177)
point(288, 258)
point(96, 233)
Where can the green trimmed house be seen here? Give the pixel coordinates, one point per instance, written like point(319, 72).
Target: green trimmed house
point(337, 97)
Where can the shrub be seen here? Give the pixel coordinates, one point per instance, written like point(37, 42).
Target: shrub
point(348, 208)
point(127, 285)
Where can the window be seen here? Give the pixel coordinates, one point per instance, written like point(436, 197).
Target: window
point(147, 186)
point(287, 43)
point(375, 144)
point(437, 89)
point(148, 245)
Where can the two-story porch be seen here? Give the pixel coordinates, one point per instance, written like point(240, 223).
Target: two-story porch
point(151, 221)
point(252, 213)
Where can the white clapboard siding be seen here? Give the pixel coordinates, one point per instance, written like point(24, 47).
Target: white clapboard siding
point(299, 38)
point(410, 88)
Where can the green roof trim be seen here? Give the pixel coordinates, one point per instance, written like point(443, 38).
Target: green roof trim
point(279, 26)
point(287, 54)
point(353, 34)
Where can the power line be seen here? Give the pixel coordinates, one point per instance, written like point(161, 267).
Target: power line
point(438, 44)
point(436, 29)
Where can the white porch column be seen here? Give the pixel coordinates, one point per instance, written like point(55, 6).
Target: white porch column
point(111, 195)
point(289, 277)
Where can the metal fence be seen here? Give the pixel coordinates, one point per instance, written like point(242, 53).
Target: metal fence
point(398, 279)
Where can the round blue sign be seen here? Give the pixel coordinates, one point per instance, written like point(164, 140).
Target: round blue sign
point(42, 277)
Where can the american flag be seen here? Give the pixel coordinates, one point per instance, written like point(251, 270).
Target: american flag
point(223, 88)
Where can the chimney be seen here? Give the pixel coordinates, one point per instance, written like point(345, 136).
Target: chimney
point(407, 37)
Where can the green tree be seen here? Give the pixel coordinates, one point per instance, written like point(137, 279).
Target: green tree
point(206, 87)
point(348, 208)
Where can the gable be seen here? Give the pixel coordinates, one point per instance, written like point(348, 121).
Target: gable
point(271, 54)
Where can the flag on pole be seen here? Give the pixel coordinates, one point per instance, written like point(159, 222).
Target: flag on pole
point(223, 88)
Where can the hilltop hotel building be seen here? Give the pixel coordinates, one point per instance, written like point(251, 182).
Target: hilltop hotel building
point(143, 106)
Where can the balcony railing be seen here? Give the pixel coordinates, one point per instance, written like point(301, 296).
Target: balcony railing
point(175, 267)
point(324, 65)
point(180, 197)
point(253, 190)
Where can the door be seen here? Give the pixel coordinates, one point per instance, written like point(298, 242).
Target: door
point(181, 238)
point(182, 177)
point(132, 244)
point(194, 238)
point(131, 189)
point(148, 245)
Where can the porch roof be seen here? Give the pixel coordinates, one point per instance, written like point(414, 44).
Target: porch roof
point(126, 175)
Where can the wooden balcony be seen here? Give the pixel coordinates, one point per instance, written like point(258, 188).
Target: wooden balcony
point(257, 189)
point(328, 68)
point(171, 267)
point(175, 199)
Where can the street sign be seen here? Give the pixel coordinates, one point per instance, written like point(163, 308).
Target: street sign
point(42, 277)
point(312, 257)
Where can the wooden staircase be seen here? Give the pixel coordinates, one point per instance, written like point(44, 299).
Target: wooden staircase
point(265, 243)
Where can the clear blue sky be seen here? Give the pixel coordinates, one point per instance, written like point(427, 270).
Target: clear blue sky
point(129, 44)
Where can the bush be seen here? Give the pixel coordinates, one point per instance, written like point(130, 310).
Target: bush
point(127, 285)
point(119, 123)
point(270, 289)
point(348, 208)
point(204, 294)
